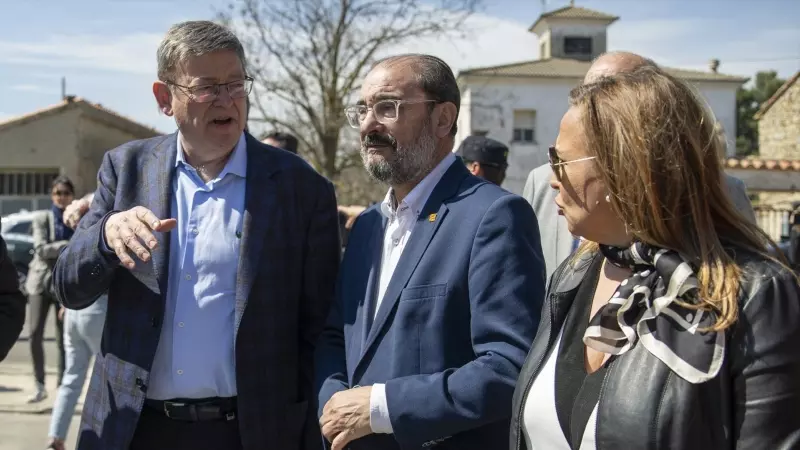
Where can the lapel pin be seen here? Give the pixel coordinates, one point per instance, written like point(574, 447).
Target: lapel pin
point(432, 217)
point(238, 234)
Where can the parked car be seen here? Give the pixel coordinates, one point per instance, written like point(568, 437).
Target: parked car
point(16, 231)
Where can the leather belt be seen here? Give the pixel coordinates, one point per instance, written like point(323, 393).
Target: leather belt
point(196, 410)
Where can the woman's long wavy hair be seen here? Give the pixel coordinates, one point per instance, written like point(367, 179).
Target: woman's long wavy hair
point(660, 158)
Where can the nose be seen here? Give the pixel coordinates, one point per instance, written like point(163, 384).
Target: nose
point(370, 124)
point(554, 181)
point(223, 98)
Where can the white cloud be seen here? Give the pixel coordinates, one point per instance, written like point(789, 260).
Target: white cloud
point(32, 88)
point(133, 53)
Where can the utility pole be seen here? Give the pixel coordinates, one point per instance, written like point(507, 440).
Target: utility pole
point(63, 88)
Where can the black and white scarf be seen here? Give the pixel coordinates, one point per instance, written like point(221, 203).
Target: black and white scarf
point(644, 308)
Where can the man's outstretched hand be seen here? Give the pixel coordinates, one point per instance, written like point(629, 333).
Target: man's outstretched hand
point(132, 231)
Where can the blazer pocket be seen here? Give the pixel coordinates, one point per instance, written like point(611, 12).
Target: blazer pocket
point(430, 291)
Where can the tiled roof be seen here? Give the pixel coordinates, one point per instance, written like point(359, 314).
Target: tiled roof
point(95, 110)
point(574, 12)
point(782, 165)
point(781, 90)
point(573, 68)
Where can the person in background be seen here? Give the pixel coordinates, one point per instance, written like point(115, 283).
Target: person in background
point(83, 330)
point(557, 242)
point(671, 327)
point(485, 158)
point(219, 255)
point(283, 141)
point(441, 284)
point(50, 235)
point(12, 303)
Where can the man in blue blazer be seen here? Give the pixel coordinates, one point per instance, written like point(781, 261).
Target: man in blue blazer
point(219, 255)
point(441, 286)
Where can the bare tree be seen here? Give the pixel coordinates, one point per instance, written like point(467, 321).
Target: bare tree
point(308, 57)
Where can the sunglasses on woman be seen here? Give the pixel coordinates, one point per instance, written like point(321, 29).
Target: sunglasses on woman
point(557, 164)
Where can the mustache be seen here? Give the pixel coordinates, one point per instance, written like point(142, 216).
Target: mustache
point(379, 139)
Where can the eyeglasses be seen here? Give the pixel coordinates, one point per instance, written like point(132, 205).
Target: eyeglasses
point(209, 92)
point(557, 164)
point(386, 111)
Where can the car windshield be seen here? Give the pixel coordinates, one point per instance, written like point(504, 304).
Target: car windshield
point(21, 227)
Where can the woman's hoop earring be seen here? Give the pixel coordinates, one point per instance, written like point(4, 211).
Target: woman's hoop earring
point(608, 198)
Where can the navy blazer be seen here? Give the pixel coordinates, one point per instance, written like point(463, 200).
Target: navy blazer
point(285, 283)
point(456, 321)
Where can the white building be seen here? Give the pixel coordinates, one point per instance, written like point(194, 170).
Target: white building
point(522, 104)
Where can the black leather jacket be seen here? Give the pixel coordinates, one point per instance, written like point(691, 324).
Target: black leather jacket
point(754, 403)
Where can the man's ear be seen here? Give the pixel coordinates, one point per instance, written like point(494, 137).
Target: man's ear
point(445, 119)
point(474, 168)
point(163, 97)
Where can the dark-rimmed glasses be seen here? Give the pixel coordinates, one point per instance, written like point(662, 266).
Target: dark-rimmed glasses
point(386, 111)
point(209, 92)
point(557, 164)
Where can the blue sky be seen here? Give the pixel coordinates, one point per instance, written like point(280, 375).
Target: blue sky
point(106, 48)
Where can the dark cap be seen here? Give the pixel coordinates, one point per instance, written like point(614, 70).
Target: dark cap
point(483, 150)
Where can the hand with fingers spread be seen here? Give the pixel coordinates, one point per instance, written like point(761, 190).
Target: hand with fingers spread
point(345, 417)
point(132, 231)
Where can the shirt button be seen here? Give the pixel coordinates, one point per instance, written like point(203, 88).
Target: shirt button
point(195, 231)
point(395, 241)
point(180, 372)
point(180, 324)
point(188, 277)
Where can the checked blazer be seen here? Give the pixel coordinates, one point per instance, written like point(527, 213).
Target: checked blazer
point(286, 274)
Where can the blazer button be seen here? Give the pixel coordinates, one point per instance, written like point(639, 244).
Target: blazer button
point(140, 384)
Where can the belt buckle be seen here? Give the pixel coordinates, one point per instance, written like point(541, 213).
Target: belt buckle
point(166, 408)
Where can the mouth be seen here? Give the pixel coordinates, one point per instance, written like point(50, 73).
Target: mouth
point(222, 121)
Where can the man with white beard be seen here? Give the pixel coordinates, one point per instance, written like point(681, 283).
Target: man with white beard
point(441, 284)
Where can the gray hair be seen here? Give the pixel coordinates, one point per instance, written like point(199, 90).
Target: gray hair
point(194, 38)
point(434, 77)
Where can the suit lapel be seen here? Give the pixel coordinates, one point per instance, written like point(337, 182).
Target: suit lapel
point(428, 221)
point(159, 201)
point(261, 202)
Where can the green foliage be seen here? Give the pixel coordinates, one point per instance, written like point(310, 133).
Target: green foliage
point(748, 101)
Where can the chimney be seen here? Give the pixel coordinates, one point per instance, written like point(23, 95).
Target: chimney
point(713, 65)
point(69, 98)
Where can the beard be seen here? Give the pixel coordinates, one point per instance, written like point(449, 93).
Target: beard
point(402, 164)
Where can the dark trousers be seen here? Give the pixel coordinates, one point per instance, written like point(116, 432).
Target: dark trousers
point(40, 305)
point(155, 431)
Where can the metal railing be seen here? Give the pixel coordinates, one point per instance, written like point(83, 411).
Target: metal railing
point(774, 220)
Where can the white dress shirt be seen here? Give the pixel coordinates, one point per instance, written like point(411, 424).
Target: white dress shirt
point(400, 225)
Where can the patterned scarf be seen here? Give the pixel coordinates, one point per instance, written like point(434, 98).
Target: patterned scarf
point(644, 308)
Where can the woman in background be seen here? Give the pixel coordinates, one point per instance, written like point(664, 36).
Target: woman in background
point(671, 327)
point(50, 235)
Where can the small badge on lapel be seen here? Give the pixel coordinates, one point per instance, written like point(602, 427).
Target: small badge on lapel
point(238, 234)
point(432, 218)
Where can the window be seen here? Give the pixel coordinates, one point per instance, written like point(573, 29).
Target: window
point(27, 182)
point(542, 49)
point(524, 127)
point(577, 46)
point(23, 227)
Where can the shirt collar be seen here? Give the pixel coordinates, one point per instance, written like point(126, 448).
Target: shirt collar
point(237, 164)
point(418, 196)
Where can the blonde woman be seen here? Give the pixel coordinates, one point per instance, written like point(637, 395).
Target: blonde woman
point(671, 327)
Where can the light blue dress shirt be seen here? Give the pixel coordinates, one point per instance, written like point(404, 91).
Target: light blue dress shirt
point(195, 355)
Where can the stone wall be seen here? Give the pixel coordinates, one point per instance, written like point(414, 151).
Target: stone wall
point(779, 127)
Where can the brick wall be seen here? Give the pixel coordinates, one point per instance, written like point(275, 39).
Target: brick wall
point(779, 127)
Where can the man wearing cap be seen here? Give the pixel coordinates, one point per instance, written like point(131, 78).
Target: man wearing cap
point(485, 158)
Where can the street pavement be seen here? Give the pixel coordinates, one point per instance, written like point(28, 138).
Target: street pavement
point(24, 426)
